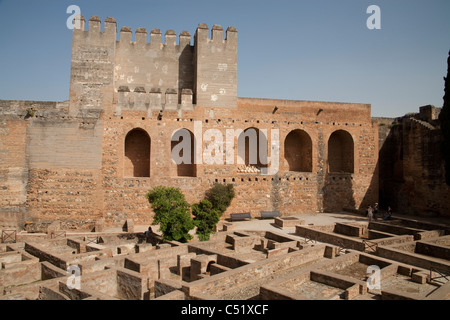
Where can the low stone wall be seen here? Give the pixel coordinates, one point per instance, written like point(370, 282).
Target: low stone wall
point(433, 250)
point(330, 237)
point(322, 272)
point(174, 295)
point(49, 271)
point(242, 243)
point(350, 229)
point(219, 284)
point(63, 260)
point(288, 222)
point(423, 225)
point(414, 259)
point(393, 294)
point(394, 240)
point(130, 285)
point(375, 234)
point(395, 229)
point(352, 287)
point(442, 293)
point(166, 286)
point(27, 271)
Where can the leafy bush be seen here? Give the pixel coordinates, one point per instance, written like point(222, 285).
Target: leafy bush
point(208, 212)
point(171, 212)
point(220, 196)
point(206, 217)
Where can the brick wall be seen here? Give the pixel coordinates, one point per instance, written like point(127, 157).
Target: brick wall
point(413, 170)
point(79, 169)
point(97, 155)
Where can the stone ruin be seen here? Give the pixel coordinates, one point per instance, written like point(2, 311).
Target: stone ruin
point(298, 262)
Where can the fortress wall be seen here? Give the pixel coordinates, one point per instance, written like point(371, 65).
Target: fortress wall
point(216, 66)
point(288, 191)
point(154, 66)
point(13, 172)
point(51, 163)
point(159, 75)
point(413, 170)
point(97, 155)
point(64, 144)
point(74, 168)
point(92, 67)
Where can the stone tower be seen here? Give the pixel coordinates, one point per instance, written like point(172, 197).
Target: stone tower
point(110, 75)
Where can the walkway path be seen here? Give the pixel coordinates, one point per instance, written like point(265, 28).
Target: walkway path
point(311, 219)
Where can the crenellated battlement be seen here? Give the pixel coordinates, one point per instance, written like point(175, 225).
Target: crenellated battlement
point(95, 24)
point(202, 33)
point(105, 60)
point(216, 35)
point(156, 39)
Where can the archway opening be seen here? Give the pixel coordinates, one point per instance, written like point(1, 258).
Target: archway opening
point(298, 151)
point(137, 154)
point(341, 152)
point(252, 148)
point(183, 153)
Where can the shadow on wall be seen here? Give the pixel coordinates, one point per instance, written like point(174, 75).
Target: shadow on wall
point(391, 171)
point(412, 170)
point(185, 71)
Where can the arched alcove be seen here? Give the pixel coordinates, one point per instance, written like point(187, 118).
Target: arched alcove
point(298, 151)
point(137, 154)
point(252, 148)
point(183, 153)
point(341, 152)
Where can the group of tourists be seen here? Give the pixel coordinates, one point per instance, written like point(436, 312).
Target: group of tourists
point(372, 212)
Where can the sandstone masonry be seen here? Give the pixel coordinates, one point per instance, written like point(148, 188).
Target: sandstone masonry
point(95, 156)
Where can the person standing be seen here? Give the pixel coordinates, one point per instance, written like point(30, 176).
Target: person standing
point(388, 214)
point(370, 213)
point(375, 211)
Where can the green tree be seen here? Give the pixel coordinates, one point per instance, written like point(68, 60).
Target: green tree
point(206, 217)
point(171, 212)
point(220, 196)
point(208, 212)
point(444, 118)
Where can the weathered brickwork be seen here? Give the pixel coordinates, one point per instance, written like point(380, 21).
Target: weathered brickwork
point(13, 172)
point(97, 155)
point(413, 167)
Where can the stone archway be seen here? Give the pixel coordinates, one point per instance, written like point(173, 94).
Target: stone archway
point(137, 154)
point(298, 151)
point(341, 152)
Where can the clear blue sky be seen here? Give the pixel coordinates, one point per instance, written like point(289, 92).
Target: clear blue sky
point(288, 49)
